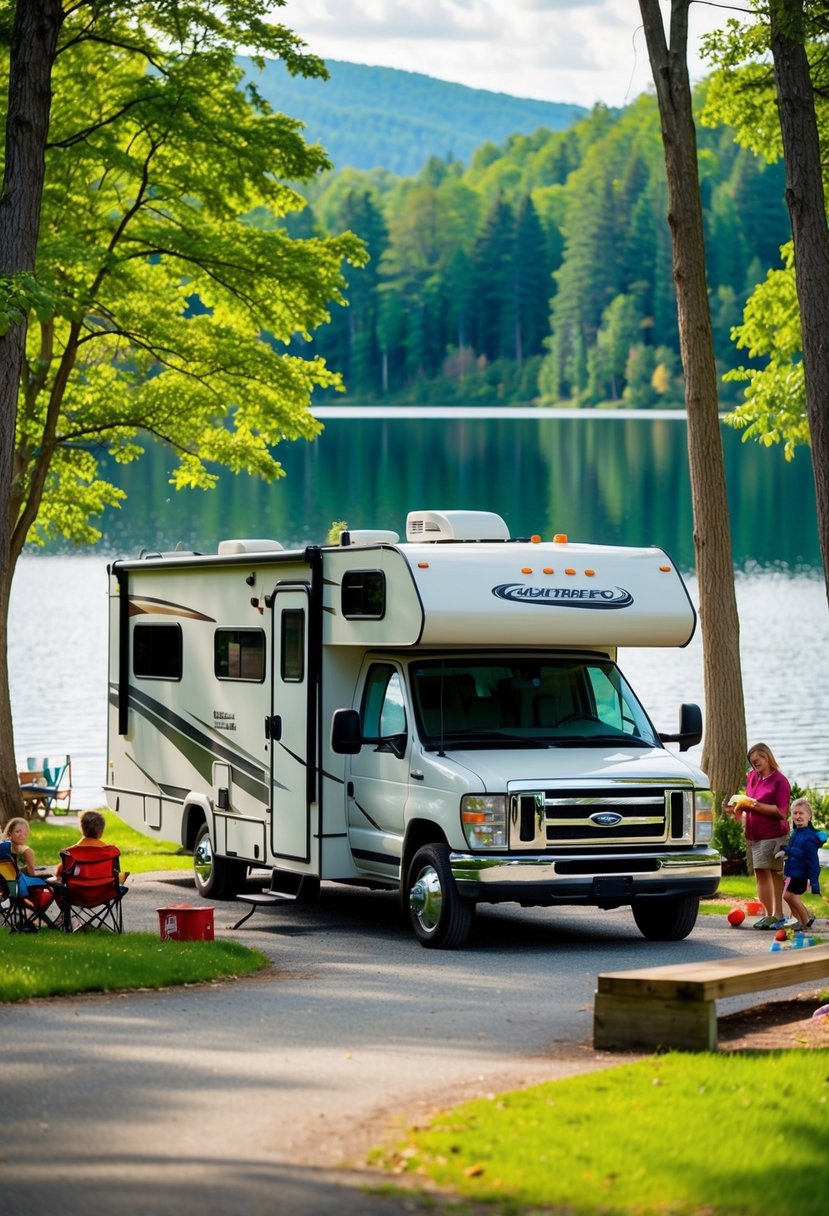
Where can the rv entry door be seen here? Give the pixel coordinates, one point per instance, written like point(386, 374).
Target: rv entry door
point(290, 727)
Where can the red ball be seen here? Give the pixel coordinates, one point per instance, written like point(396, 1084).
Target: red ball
point(736, 916)
point(781, 935)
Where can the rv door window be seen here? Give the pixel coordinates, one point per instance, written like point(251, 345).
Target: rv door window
point(364, 595)
point(156, 652)
point(239, 654)
point(384, 709)
point(292, 648)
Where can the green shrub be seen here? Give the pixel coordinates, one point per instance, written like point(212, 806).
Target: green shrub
point(729, 839)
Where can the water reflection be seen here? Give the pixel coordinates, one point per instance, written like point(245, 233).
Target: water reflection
point(608, 480)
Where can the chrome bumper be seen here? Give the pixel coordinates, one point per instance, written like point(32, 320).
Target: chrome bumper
point(602, 879)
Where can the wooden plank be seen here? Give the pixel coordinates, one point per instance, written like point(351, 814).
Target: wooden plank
point(722, 977)
point(630, 1022)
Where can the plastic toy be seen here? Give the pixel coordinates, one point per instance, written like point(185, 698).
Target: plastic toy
point(781, 935)
point(736, 917)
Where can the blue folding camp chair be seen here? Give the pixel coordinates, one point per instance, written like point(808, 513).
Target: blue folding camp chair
point(26, 904)
point(50, 787)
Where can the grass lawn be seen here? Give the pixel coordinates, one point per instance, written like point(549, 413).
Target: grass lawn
point(741, 887)
point(53, 963)
point(679, 1134)
point(140, 853)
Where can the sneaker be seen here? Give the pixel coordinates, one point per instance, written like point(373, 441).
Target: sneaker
point(803, 928)
point(767, 922)
point(785, 922)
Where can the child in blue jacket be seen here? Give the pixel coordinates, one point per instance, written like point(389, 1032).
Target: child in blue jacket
point(802, 864)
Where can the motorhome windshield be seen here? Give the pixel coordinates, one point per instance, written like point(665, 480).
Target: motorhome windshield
point(534, 701)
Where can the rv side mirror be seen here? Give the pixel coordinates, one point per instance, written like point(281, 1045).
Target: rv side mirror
point(346, 736)
point(690, 728)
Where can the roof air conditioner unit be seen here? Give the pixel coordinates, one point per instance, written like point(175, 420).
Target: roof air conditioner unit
point(432, 526)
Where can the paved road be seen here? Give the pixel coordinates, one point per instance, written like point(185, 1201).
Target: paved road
point(250, 1096)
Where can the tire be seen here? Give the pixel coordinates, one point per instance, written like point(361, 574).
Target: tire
point(216, 877)
point(666, 920)
point(440, 917)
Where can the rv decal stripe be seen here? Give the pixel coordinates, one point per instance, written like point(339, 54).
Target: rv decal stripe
point(366, 815)
point(378, 858)
point(199, 748)
point(148, 605)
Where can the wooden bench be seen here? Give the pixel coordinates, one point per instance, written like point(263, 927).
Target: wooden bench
point(674, 1006)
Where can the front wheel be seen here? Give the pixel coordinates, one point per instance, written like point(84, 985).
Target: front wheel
point(440, 917)
point(668, 919)
point(216, 877)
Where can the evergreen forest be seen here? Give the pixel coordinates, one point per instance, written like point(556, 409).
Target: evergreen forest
point(540, 271)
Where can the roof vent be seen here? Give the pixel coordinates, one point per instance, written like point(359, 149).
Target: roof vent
point(432, 526)
point(227, 547)
point(368, 536)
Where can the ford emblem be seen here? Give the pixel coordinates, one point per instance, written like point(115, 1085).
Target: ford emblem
point(606, 819)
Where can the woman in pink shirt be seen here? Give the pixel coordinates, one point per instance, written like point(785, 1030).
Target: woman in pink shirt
point(766, 808)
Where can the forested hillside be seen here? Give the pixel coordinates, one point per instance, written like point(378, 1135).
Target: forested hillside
point(370, 118)
point(542, 270)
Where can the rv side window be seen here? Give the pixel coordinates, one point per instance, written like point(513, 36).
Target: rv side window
point(384, 710)
point(364, 595)
point(239, 654)
point(292, 663)
point(156, 652)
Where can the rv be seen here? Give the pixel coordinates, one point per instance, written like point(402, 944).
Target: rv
point(442, 716)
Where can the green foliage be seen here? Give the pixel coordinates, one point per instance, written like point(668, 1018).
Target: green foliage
point(729, 839)
point(159, 307)
point(335, 531)
point(598, 1142)
point(552, 246)
point(741, 92)
point(57, 964)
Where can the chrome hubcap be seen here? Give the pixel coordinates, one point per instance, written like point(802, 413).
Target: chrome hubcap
point(203, 861)
point(426, 899)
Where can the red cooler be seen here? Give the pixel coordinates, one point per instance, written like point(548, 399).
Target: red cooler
point(186, 923)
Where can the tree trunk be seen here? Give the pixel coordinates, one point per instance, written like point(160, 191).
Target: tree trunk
point(724, 746)
point(807, 209)
point(34, 41)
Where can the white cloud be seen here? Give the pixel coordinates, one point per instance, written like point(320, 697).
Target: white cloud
point(579, 51)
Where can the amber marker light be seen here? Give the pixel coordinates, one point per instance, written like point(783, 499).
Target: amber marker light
point(526, 569)
point(569, 571)
point(423, 565)
point(549, 570)
point(535, 539)
point(665, 569)
point(560, 538)
point(590, 573)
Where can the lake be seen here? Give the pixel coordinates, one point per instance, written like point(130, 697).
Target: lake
point(609, 478)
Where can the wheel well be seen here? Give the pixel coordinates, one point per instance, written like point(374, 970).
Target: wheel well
point(418, 833)
point(191, 822)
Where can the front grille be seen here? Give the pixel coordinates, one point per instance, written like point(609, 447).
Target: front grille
point(642, 814)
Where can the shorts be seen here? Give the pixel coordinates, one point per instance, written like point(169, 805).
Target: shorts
point(763, 851)
point(797, 886)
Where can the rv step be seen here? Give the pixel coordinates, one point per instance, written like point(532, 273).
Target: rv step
point(306, 888)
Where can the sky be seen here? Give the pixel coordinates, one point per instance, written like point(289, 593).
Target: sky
point(578, 51)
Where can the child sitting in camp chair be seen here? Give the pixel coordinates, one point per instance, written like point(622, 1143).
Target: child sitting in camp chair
point(33, 894)
point(92, 825)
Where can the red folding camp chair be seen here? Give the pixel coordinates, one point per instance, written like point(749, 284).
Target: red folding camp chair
point(88, 890)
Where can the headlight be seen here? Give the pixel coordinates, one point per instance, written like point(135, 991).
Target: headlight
point(703, 815)
point(484, 820)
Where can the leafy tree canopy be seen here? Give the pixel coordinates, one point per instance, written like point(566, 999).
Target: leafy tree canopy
point(158, 306)
point(742, 93)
